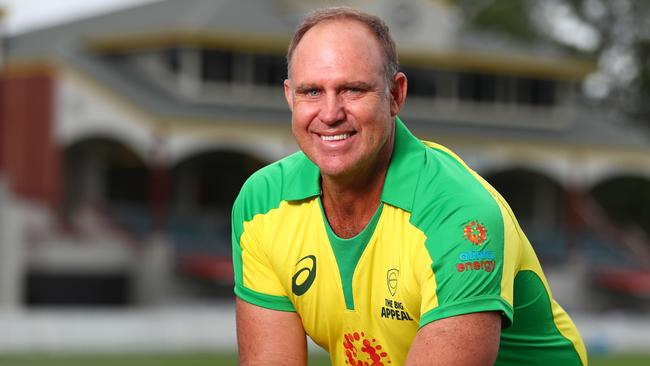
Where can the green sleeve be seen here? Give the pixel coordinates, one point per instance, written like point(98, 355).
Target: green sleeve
point(465, 240)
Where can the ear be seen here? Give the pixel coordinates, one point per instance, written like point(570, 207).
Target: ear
point(288, 94)
point(398, 93)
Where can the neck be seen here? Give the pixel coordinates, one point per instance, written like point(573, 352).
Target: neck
point(350, 202)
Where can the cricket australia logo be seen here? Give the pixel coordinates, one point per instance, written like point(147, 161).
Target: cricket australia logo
point(304, 276)
point(393, 308)
point(391, 280)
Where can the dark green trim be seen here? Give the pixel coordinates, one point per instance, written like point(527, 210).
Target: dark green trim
point(348, 252)
point(467, 306)
point(280, 303)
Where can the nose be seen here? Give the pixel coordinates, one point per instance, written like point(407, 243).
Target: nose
point(332, 110)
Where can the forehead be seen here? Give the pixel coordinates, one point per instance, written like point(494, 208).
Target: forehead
point(338, 44)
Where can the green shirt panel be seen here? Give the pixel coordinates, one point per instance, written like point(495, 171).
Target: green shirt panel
point(533, 339)
point(348, 252)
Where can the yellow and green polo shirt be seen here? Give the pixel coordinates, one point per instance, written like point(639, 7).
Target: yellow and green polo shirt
point(442, 243)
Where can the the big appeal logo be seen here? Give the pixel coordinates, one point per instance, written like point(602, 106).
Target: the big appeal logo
point(304, 276)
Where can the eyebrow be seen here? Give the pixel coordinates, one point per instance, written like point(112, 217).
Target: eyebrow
point(358, 84)
point(352, 84)
point(305, 87)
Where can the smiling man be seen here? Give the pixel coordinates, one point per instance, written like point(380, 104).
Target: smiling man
point(384, 249)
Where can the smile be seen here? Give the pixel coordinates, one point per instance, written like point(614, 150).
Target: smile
point(340, 137)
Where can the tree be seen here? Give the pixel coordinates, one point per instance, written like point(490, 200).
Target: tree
point(615, 32)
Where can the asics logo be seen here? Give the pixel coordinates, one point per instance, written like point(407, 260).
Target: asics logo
point(304, 276)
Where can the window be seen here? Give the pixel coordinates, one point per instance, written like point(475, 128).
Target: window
point(216, 65)
point(421, 82)
point(536, 92)
point(269, 70)
point(477, 87)
point(171, 59)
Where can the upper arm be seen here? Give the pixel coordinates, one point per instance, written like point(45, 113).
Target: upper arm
point(269, 332)
point(468, 340)
point(269, 337)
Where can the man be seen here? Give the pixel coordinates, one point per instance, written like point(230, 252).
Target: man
point(383, 249)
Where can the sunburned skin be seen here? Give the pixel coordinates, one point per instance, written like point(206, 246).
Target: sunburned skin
point(341, 115)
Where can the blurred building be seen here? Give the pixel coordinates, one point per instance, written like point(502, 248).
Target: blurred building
point(125, 138)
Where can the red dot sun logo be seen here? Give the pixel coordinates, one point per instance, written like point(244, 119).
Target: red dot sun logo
point(362, 351)
point(475, 232)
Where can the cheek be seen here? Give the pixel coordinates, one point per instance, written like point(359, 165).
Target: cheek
point(302, 116)
point(380, 134)
point(298, 130)
point(298, 120)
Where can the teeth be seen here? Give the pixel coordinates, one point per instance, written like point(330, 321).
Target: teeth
point(336, 137)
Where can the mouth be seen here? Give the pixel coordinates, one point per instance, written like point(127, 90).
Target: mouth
point(340, 137)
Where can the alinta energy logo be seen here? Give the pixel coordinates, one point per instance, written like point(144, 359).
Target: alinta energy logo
point(476, 260)
point(364, 350)
point(304, 276)
point(475, 232)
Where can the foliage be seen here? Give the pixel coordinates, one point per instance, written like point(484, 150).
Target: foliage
point(615, 32)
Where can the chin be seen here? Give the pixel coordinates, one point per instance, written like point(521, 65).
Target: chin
point(331, 172)
point(333, 169)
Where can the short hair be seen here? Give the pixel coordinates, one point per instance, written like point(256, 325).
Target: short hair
point(374, 23)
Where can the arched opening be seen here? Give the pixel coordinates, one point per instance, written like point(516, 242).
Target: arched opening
point(102, 178)
point(210, 180)
point(539, 204)
point(204, 187)
point(622, 248)
point(104, 172)
point(626, 200)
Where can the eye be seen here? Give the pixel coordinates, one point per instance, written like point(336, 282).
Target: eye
point(354, 90)
point(312, 92)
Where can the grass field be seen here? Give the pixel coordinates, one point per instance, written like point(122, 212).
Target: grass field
point(225, 360)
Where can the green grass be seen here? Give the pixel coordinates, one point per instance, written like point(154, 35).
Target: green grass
point(620, 360)
point(132, 360)
point(223, 360)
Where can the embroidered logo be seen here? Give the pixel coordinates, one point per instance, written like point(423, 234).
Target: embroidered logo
point(475, 232)
point(362, 350)
point(301, 281)
point(391, 280)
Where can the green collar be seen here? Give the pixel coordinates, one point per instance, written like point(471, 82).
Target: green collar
point(302, 180)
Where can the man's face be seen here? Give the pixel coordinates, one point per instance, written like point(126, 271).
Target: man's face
point(341, 108)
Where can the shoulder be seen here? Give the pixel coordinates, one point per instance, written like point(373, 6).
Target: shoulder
point(449, 191)
point(264, 189)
